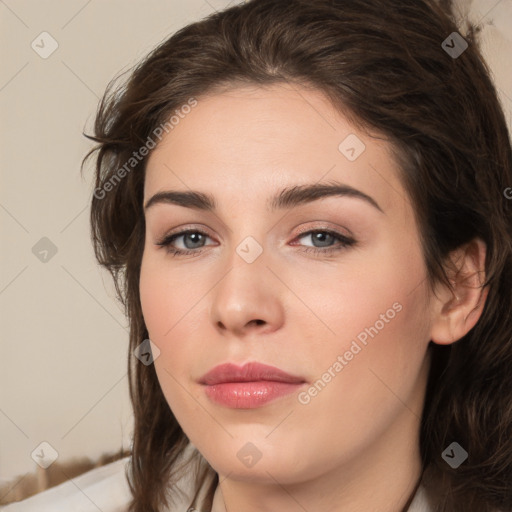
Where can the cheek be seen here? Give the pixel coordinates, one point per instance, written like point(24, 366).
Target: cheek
point(378, 290)
point(382, 357)
point(168, 298)
point(155, 300)
point(379, 315)
point(173, 309)
point(383, 331)
point(166, 303)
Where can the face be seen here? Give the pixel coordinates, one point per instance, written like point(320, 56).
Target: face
point(327, 286)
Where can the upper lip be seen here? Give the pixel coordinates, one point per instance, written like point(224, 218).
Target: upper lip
point(249, 372)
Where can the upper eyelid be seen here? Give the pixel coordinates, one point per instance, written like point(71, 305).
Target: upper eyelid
point(186, 230)
point(192, 228)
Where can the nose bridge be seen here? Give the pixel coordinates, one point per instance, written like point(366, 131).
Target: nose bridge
point(247, 295)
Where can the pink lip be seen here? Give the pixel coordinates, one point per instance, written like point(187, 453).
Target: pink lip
point(248, 386)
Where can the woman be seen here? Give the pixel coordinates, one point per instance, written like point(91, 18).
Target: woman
point(312, 169)
point(304, 208)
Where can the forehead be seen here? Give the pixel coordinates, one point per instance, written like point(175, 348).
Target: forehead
point(255, 138)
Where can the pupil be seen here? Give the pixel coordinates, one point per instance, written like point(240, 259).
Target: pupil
point(321, 237)
point(197, 236)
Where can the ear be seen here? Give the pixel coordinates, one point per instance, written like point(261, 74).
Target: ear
point(456, 311)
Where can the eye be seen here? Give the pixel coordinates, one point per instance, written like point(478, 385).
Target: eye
point(192, 240)
point(322, 240)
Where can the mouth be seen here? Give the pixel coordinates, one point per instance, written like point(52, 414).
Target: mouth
point(250, 386)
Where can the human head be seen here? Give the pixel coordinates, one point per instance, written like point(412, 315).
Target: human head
point(436, 112)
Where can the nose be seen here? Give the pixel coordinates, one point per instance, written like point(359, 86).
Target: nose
point(247, 300)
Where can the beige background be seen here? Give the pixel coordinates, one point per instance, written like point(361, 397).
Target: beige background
point(63, 336)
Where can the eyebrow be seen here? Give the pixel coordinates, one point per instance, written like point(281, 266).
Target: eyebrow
point(285, 199)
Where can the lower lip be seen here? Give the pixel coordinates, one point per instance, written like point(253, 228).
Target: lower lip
point(249, 395)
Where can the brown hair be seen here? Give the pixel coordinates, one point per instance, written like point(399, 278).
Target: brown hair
point(383, 65)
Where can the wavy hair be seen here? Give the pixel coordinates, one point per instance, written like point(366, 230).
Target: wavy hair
point(383, 65)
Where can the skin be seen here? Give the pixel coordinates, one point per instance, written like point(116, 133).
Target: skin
point(361, 431)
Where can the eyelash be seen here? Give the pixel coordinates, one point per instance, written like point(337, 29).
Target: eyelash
point(345, 242)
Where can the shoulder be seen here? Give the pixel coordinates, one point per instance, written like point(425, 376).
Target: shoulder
point(104, 488)
point(421, 502)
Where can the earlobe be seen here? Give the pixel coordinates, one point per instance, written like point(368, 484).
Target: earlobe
point(456, 311)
